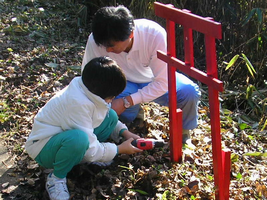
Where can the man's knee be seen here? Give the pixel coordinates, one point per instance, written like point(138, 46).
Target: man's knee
point(130, 114)
point(127, 118)
point(190, 92)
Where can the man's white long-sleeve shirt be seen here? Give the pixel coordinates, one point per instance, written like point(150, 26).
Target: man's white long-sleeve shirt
point(140, 64)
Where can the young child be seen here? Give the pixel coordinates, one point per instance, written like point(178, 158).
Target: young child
point(74, 125)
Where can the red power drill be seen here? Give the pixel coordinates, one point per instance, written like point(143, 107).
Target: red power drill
point(147, 144)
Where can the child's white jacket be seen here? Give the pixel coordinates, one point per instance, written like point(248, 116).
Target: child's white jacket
point(74, 107)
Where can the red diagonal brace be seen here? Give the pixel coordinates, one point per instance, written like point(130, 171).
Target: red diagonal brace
point(191, 71)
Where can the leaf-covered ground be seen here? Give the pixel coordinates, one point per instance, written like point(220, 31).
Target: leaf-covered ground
point(41, 47)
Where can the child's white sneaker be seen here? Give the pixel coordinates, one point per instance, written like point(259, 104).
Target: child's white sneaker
point(57, 188)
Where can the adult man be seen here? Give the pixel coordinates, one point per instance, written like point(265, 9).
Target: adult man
point(133, 44)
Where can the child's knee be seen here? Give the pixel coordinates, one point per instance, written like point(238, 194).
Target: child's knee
point(80, 141)
point(113, 116)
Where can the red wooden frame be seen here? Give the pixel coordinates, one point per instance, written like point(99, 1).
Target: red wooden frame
point(212, 30)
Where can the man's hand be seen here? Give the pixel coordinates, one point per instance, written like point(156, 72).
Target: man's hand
point(127, 148)
point(118, 104)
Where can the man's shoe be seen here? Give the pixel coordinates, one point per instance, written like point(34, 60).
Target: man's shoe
point(186, 136)
point(57, 188)
point(141, 114)
point(187, 139)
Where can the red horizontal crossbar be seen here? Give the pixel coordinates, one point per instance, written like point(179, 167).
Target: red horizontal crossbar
point(191, 71)
point(187, 19)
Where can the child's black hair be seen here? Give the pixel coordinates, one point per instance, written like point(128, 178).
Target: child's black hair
point(103, 77)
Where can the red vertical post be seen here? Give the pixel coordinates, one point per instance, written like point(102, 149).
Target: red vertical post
point(175, 132)
point(216, 143)
point(214, 118)
point(188, 46)
point(226, 159)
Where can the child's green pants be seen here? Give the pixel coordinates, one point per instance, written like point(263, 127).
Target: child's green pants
point(66, 149)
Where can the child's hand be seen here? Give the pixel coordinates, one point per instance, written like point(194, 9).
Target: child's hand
point(127, 148)
point(127, 134)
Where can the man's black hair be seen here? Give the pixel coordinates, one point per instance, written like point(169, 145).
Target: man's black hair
point(112, 24)
point(103, 77)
